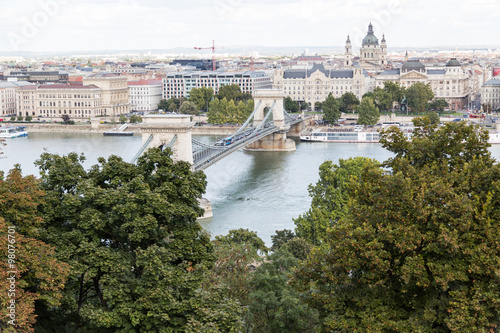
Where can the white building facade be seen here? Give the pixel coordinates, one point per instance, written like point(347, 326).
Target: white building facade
point(180, 84)
point(490, 93)
point(450, 82)
point(145, 94)
point(315, 84)
point(8, 97)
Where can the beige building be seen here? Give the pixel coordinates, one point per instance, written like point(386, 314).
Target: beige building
point(490, 93)
point(315, 84)
point(450, 82)
point(54, 100)
point(114, 91)
point(8, 97)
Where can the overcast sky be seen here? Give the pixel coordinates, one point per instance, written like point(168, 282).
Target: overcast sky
point(71, 25)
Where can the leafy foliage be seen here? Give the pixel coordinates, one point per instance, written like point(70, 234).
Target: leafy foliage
point(368, 113)
point(329, 197)
point(135, 119)
point(201, 97)
point(348, 102)
point(39, 276)
point(419, 248)
point(172, 104)
point(244, 237)
point(227, 112)
point(433, 117)
point(438, 104)
point(280, 238)
point(418, 95)
point(189, 108)
point(274, 305)
point(138, 256)
point(290, 105)
point(331, 109)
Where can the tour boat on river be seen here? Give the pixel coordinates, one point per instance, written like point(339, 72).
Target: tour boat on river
point(349, 135)
point(9, 132)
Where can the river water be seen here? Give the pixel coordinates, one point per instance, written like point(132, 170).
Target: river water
point(260, 191)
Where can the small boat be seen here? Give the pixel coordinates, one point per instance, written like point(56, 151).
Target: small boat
point(112, 133)
point(9, 132)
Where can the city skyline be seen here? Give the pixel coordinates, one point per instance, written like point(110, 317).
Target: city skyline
point(86, 25)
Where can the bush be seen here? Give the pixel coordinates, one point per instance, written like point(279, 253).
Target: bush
point(29, 118)
point(13, 118)
point(20, 118)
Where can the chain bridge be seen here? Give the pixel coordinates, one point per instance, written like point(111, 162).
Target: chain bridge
point(264, 130)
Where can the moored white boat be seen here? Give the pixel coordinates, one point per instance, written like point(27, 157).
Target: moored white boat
point(350, 136)
point(9, 132)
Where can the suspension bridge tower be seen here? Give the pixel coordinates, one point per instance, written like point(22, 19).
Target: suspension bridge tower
point(267, 99)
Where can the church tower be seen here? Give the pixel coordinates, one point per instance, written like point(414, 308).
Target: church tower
point(348, 53)
point(383, 51)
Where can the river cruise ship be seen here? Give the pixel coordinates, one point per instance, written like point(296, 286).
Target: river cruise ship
point(9, 132)
point(363, 136)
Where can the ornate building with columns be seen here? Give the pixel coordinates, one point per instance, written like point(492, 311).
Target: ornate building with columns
point(450, 82)
point(315, 84)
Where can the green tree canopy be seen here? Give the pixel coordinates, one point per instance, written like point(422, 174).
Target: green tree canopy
point(230, 92)
point(331, 111)
point(368, 113)
point(382, 99)
point(434, 117)
point(130, 233)
point(396, 91)
point(438, 104)
point(419, 95)
point(224, 111)
point(39, 276)
point(419, 249)
point(290, 105)
point(201, 97)
point(329, 197)
point(244, 237)
point(349, 102)
point(189, 108)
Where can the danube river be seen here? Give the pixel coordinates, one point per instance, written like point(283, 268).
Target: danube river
point(261, 191)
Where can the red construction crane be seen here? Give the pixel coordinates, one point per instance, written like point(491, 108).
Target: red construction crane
point(214, 66)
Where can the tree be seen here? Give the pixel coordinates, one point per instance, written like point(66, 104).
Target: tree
point(29, 264)
point(201, 97)
point(12, 118)
point(65, 118)
point(189, 108)
point(172, 104)
point(318, 106)
point(230, 92)
point(139, 257)
point(368, 112)
point(434, 117)
point(135, 119)
point(331, 111)
point(242, 237)
point(291, 105)
point(224, 111)
point(382, 99)
point(281, 238)
point(396, 91)
point(439, 104)
point(122, 119)
point(349, 102)
point(274, 305)
point(19, 118)
point(29, 118)
point(418, 250)
point(418, 95)
point(329, 197)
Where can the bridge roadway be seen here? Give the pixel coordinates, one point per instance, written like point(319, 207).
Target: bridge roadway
point(207, 155)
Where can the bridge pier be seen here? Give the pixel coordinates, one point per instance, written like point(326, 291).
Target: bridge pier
point(274, 142)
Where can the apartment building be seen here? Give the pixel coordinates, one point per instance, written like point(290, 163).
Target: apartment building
point(8, 96)
point(180, 84)
point(145, 94)
point(490, 93)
